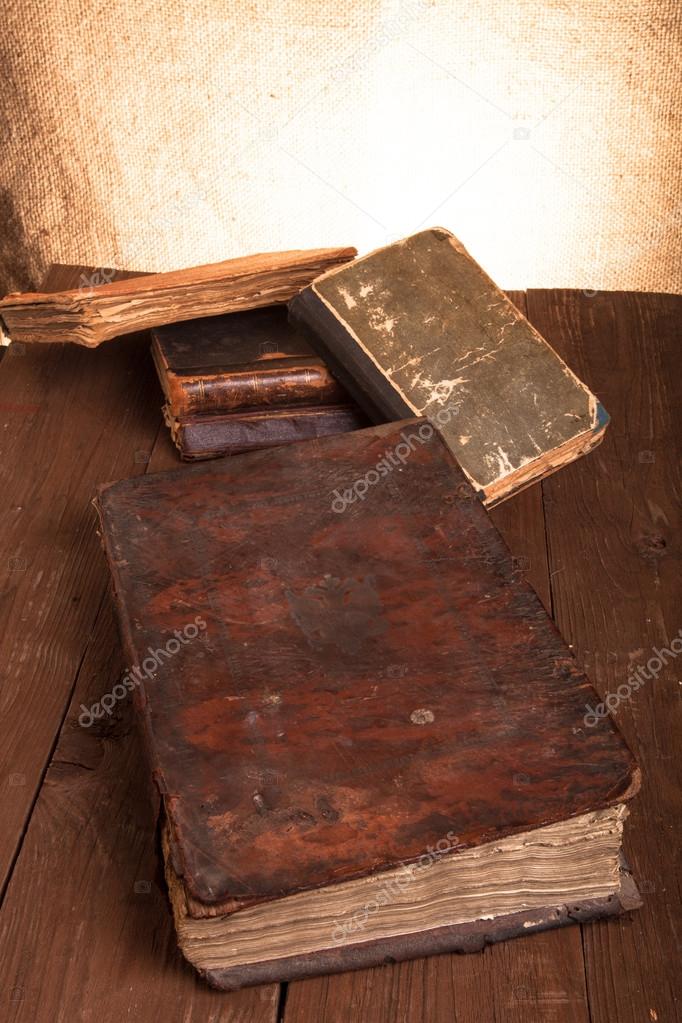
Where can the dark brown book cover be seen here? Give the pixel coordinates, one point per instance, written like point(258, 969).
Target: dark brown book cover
point(239, 361)
point(418, 328)
point(356, 670)
point(211, 436)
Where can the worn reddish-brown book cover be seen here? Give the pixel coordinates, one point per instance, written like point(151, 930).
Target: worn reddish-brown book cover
point(357, 669)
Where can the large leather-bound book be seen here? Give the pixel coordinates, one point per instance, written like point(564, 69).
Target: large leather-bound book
point(418, 328)
point(246, 380)
point(370, 740)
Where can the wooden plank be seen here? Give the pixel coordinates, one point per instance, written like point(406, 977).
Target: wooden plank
point(85, 929)
point(614, 524)
point(69, 419)
point(537, 978)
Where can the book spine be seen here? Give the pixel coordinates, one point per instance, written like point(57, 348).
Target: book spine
point(310, 384)
point(202, 437)
point(130, 654)
point(361, 377)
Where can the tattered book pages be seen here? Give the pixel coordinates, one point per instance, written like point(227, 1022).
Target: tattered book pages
point(92, 314)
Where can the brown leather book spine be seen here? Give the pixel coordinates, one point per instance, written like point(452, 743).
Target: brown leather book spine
point(278, 384)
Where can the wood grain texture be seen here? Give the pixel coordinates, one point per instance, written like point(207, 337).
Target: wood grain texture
point(538, 980)
point(88, 315)
point(70, 419)
point(614, 528)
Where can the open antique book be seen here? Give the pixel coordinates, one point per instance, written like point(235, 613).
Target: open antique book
point(90, 315)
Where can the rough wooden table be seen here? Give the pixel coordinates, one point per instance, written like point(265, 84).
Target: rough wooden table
point(86, 930)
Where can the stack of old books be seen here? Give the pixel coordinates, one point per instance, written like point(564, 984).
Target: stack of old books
point(244, 381)
point(349, 676)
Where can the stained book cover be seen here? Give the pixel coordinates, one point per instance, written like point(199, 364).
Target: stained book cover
point(418, 328)
point(248, 360)
point(358, 674)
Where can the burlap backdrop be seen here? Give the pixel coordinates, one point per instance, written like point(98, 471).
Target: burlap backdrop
point(158, 133)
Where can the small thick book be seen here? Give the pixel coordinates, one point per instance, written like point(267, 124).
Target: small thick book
point(246, 380)
point(370, 740)
point(95, 313)
point(238, 361)
point(418, 328)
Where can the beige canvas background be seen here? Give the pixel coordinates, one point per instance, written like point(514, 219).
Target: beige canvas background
point(153, 135)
